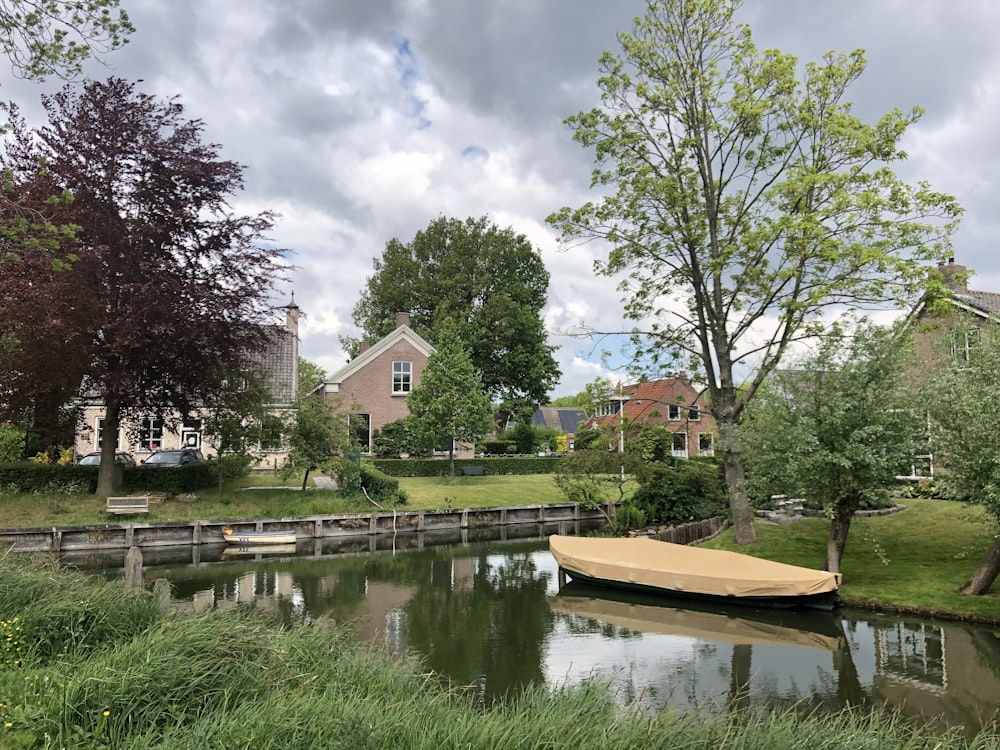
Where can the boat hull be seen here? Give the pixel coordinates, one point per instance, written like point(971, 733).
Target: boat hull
point(252, 538)
point(653, 567)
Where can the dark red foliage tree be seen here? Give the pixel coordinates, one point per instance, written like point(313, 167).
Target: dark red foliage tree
point(160, 289)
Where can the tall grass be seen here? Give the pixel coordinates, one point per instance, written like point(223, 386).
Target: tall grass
point(231, 679)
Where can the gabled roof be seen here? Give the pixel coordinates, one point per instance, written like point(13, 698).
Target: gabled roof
point(402, 333)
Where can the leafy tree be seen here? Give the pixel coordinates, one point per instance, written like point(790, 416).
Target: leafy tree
point(837, 429)
point(310, 376)
point(740, 197)
point(236, 415)
point(54, 37)
point(166, 287)
point(396, 438)
point(11, 444)
point(491, 282)
point(964, 406)
point(449, 403)
point(319, 438)
point(597, 479)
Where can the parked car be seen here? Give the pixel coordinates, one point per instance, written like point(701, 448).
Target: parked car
point(174, 457)
point(94, 459)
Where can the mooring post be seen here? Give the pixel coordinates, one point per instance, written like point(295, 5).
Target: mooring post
point(133, 568)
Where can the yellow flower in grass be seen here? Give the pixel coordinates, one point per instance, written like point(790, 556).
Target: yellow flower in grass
point(107, 713)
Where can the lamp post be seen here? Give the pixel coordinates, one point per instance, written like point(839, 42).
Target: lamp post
point(621, 430)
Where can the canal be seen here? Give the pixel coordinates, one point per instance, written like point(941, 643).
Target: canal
point(490, 615)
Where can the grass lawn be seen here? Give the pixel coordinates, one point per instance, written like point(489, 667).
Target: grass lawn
point(269, 497)
point(911, 561)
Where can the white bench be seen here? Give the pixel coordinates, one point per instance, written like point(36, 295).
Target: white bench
point(127, 505)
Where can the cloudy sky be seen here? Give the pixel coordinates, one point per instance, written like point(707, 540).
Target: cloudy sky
point(363, 120)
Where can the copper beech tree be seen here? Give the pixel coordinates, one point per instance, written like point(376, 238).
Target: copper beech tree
point(155, 291)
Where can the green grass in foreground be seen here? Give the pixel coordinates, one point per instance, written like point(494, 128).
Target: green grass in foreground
point(229, 678)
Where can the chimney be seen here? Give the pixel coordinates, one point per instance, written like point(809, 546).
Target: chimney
point(402, 319)
point(955, 276)
point(292, 316)
point(364, 346)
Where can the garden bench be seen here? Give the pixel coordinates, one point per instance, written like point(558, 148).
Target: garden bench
point(473, 471)
point(125, 505)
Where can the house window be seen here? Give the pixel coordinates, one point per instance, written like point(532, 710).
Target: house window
point(271, 438)
point(673, 412)
point(360, 425)
point(606, 409)
point(151, 434)
point(964, 343)
point(680, 445)
point(694, 413)
point(99, 441)
point(706, 446)
point(191, 433)
point(402, 377)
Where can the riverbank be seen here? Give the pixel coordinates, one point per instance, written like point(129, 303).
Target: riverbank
point(229, 678)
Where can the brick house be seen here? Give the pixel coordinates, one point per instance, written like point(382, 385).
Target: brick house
point(373, 387)
point(674, 403)
point(279, 358)
point(946, 331)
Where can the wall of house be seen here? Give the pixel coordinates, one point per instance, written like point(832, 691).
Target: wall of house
point(370, 389)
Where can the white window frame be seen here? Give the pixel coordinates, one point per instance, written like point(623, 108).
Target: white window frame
point(679, 452)
point(402, 377)
point(694, 413)
point(191, 431)
point(674, 412)
point(98, 440)
point(702, 450)
point(962, 350)
point(150, 433)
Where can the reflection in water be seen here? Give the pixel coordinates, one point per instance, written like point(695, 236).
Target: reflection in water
point(490, 615)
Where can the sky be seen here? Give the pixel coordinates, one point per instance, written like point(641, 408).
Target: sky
point(360, 121)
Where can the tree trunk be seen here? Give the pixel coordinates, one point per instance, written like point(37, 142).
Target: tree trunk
point(837, 541)
point(306, 478)
point(985, 574)
point(739, 502)
point(109, 477)
point(451, 459)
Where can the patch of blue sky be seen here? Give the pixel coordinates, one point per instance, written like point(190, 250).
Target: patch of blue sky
point(476, 153)
point(409, 73)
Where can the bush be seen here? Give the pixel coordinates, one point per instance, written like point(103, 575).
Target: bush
point(380, 487)
point(687, 491)
point(11, 444)
point(498, 447)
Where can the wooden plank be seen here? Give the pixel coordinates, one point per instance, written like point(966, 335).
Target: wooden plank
point(123, 505)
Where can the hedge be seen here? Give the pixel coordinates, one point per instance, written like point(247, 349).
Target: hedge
point(380, 487)
point(27, 477)
point(437, 467)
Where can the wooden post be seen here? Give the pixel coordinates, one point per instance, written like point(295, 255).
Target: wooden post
point(133, 568)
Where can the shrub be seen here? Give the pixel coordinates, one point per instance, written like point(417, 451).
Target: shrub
point(686, 491)
point(380, 487)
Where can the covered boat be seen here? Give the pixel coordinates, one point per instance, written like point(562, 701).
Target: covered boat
point(642, 564)
point(247, 538)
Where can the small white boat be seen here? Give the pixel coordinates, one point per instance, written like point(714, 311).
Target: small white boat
point(247, 538)
point(651, 566)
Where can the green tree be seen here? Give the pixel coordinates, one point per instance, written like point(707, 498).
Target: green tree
point(491, 282)
point(741, 199)
point(54, 37)
point(11, 444)
point(236, 415)
point(964, 406)
point(319, 438)
point(310, 376)
point(837, 429)
point(449, 404)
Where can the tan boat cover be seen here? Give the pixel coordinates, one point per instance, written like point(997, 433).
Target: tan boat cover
point(712, 626)
point(680, 568)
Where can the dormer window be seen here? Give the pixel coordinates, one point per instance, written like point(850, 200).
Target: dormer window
point(402, 377)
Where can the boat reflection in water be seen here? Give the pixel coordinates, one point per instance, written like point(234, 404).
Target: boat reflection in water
point(737, 625)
